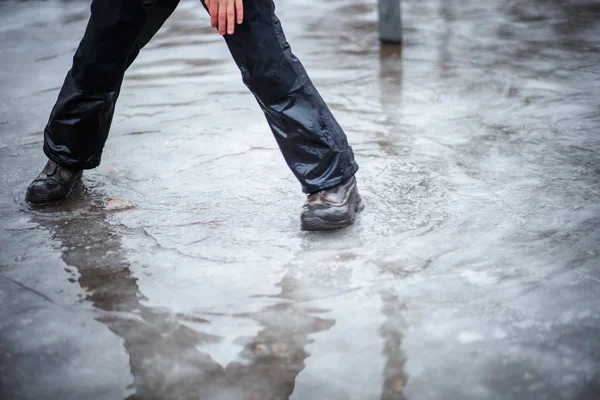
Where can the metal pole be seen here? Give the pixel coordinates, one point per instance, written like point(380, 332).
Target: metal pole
point(390, 21)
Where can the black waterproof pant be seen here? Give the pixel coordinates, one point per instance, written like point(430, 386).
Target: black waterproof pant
point(313, 144)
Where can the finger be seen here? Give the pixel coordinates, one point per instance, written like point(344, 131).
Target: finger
point(213, 9)
point(207, 3)
point(230, 18)
point(239, 11)
point(222, 19)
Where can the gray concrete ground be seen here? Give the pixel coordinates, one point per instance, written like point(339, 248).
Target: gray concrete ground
point(472, 274)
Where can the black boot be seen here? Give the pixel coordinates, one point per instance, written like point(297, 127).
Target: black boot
point(53, 184)
point(332, 208)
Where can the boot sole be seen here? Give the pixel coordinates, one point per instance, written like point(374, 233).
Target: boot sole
point(315, 223)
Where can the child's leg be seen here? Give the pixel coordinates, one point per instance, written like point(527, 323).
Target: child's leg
point(313, 144)
point(81, 118)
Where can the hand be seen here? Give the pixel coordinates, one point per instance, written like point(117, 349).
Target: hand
point(224, 14)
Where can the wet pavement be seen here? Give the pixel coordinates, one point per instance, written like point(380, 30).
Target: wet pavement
point(178, 271)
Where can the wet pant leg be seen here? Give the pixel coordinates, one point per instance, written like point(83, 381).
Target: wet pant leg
point(312, 142)
point(80, 120)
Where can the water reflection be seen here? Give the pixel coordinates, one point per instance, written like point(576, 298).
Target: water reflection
point(163, 350)
point(165, 359)
point(395, 376)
